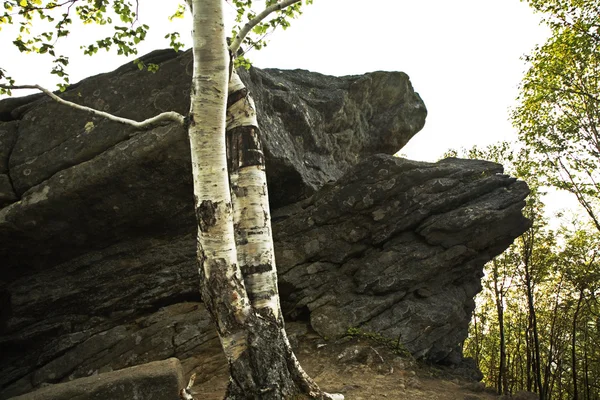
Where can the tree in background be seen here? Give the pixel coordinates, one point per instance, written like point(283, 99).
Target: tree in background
point(235, 248)
point(544, 289)
point(558, 115)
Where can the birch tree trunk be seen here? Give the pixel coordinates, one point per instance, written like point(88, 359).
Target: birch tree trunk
point(236, 261)
point(222, 285)
point(256, 254)
point(235, 248)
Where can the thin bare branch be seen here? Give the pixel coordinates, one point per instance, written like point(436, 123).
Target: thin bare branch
point(166, 116)
point(239, 38)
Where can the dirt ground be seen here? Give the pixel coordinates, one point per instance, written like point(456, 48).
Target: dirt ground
point(361, 368)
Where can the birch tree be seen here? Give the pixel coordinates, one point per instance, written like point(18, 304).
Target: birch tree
point(235, 248)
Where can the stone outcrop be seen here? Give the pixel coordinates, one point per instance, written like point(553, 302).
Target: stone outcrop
point(159, 380)
point(397, 247)
point(97, 232)
point(394, 246)
point(96, 175)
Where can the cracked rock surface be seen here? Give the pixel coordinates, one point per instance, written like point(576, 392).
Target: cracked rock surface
point(395, 246)
point(95, 173)
point(97, 231)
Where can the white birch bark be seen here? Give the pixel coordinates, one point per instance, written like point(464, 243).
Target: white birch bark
point(222, 283)
point(252, 222)
point(252, 218)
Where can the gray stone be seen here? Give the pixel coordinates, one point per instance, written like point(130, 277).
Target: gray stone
point(362, 252)
point(7, 194)
point(98, 250)
point(82, 346)
point(313, 126)
point(159, 380)
point(340, 265)
point(8, 137)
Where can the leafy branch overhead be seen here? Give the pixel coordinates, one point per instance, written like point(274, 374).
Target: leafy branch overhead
point(54, 21)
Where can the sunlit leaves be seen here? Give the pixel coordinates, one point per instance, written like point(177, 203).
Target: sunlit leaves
point(58, 20)
point(5, 79)
point(179, 13)
point(247, 10)
point(558, 116)
point(174, 41)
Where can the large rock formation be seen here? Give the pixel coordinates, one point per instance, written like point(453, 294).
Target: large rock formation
point(314, 127)
point(97, 230)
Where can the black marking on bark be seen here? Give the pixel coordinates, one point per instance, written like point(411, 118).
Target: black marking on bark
point(244, 148)
point(206, 213)
point(231, 60)
point(188, 121)
point(261, 296)
point(218, 294)
point(240, 237)
point(262, 372)
point(256, 269)
point(236, 96)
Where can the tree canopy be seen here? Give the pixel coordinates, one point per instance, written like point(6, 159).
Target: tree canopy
point(558, 115)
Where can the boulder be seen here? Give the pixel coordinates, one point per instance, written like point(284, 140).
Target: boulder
point(395, 247)
point(96, 173)
point(97, 230)
point(159, 380)
point(8, 137)
point(313, 126)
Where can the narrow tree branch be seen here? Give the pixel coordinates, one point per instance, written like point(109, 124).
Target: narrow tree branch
point(239, 38)
point(166, 116)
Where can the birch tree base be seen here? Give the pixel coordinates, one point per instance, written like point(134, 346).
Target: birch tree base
point(268, 370)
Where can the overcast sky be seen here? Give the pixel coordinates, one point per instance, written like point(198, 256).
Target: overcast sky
point(463, 57)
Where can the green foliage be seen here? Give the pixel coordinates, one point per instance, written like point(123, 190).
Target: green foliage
point(558, 115)
point(53, 21)
point(257, 39)
point(550, 279)
point(4, 77)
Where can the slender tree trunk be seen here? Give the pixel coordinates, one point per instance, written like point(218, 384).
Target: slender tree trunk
point(552, 345)
point(573, 343)
point(528, 239)
point(222, 285)
point(256, 254)
point(519, 370)
point(502, 378)
point(477, 340)
point(528, 342)
point(536, 341)
point(586, 368)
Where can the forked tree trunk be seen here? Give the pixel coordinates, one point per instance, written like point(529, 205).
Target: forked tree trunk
point(235, 248)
